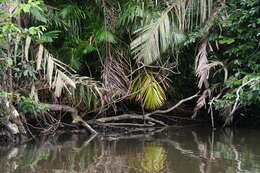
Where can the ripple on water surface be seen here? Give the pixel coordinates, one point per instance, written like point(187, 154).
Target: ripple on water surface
point(186, 150)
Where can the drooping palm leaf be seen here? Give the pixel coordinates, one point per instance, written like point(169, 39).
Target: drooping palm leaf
point(201, 63)
point(27, 46)
point(57, 73)
point(147, 90)
point(154, 38)
point(73, 15)
point(164, 29)
point(114, 76)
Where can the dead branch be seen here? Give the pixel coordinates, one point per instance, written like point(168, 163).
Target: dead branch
point(237, 102)
point(130, 124)
point(74, 114)
point(145, 116)
point(173, 107)
point(126, 117)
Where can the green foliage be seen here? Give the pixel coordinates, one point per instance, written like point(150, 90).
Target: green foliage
point(25, 72)
point(147, 90)
point(5, 94)
point(132, 15)
point(27, 7)
point(73, 16)
point(30, 107)
point(102, 35)
point(247, 91)
point(82, 35)
point(240, 49)
point(48, 37)
point(155, 38)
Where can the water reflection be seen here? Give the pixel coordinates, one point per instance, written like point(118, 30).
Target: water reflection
point(196, 150)
point(153, 159)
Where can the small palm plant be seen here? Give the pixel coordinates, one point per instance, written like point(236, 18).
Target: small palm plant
point(147, 89)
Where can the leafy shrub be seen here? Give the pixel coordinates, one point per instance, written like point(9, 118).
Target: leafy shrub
point(30, 107)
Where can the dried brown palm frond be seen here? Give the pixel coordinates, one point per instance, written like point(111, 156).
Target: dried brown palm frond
point(114, 76)
point(58, 74)
point(202, 101)
point(203, 67)
point(214, 64)
point(201, 64)
point(115, 81)
point(27, 46)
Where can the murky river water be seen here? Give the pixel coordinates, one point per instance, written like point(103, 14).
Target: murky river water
point(186, 150)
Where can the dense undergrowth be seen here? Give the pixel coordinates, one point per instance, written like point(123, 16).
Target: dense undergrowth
point(94, 59)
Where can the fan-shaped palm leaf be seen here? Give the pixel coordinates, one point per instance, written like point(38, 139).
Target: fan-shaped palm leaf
point(146, 89)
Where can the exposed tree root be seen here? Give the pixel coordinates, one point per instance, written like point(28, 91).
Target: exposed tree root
point(74, 113)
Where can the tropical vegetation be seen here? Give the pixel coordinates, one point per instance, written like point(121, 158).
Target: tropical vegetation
point(106, 58)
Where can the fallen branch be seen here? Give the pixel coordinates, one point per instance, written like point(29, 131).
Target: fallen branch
point(74, 113)
point(145, 116)
point(174, 107)
point(126, 117)
point(130, 124)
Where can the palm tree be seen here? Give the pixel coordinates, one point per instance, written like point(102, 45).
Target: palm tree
point(158, 27)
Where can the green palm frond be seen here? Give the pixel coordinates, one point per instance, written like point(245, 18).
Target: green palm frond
point(38, 14)
point(163, 29)
point(131, 13)
point(147, 90)
point(156, 37)
point(73, 16)
point(102, 35)
point(87, 94)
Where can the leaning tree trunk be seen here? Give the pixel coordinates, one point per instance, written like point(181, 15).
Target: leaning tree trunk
point(11, 125)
